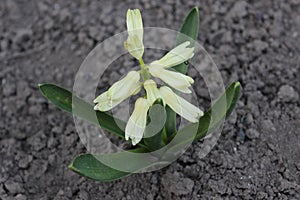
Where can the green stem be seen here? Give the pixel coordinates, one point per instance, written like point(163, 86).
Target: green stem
point(170, 122)
point(144, 71)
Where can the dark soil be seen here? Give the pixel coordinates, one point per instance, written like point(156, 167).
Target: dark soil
point(254, 42)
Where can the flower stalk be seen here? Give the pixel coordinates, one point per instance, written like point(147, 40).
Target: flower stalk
point(144, 70)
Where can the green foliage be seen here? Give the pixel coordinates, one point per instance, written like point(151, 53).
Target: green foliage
point(188, 32)
point(68, 102)
point(89, 166)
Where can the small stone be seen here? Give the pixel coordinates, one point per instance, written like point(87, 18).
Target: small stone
point(287, 93)
point(215, 25)
point(38, 168)
point(83, 39)
point(239, 9)
point(64, 15)
point(42, 7)
point(252, 133)
point(249, 119)
point(51, 142)
point(83, 195)
point(9, 89)
point(269, 190)
point(285, 185)
point(35, 109)
point(93, 32)
point(267, 125)
point(20, 197)
point(51, 159)
point(260, 46)
point(218, 186)
point(177, 185)
point(232, 118)
point(82, 36)
point(150, 197)
point(227, 37)
point(37, 141)
point(261, 195)
point(2, 191)
point(23, 35)
point(23, 163)
point(271, 146)
point(60, 192)
point(13, 187)
point(57, 130)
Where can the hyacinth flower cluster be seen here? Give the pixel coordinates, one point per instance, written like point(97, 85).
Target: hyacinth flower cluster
point(135, 81)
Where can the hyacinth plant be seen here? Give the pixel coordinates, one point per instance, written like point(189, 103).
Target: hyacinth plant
point(171, 70)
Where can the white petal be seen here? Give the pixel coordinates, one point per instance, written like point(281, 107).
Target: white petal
point(134, 43)
point(134, 22)
point(180, 105)
point(135, 47)
point(126, 86)
point(152, 91)
point(174, 79)
point(137, 122)
point(178, 55)
point(106, 103)
point(119, 91)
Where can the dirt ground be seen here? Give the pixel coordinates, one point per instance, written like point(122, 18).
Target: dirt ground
point(254, 42)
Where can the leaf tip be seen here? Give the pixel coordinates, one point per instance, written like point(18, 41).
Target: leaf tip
point(237, 86)
point(195, 9)
point(70, 166)
point(40, 85)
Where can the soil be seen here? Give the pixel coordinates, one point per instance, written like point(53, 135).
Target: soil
point(254, 42)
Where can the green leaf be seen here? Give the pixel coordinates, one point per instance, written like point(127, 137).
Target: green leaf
point(89, 166)
point(214, 116)
point(170, 126)
point(188, 32)
point(153, 133)
point(64, 100)
point(212, 119)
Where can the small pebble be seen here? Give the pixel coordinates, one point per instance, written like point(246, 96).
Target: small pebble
point(252, 133)
point(20, 197)
point(287, 93)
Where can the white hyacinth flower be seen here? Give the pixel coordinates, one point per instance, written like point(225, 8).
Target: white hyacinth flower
point(134, 43)
point(118, 92)
point(174, 79)
point(137, 122)
point(180, 105)
point(152, 91)
point(176, 103)
point(176, 56)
